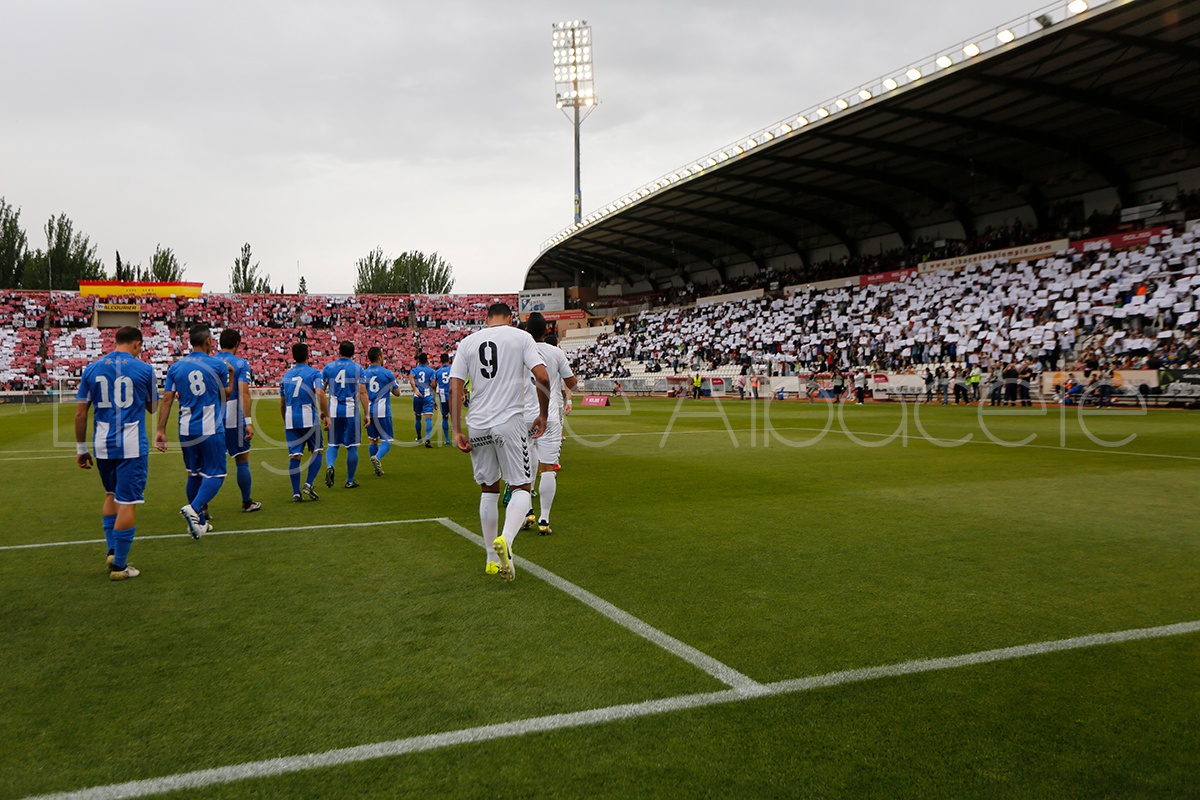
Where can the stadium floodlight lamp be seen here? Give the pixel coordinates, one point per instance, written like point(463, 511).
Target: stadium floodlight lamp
point(750, 144)
point(842, 104)
point(1077, 6)
point(890, 84)
point(712, 162)
point(822, 112)
point(865, 94)
point(1005, 36)
point(945, 62)
point(801, 121)
point(574, 88)
point(971, 50)
point(785, 129)
point(737, 150)
point(913, 74)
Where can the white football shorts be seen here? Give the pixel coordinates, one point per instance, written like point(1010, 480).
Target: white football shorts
point(547, 448)
point(502, 452)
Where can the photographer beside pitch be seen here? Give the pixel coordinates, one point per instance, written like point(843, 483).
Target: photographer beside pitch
point(498, 361)
point(122, 389)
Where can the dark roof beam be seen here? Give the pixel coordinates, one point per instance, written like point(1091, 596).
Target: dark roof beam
point(1096, 160)
point(935, 193)
point(828, 223)
point(1012, 180)
point(888, 215)
point(1178, 121)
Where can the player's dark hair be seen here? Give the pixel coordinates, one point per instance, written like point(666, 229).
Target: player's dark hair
point(499, 310)
point(346, 349)
point(422, 358)
point(551, 340)
point(198, 334)
point(535, 323)
point(300, 352)
point(445, 358)
point(374, 354)
point(230, 338)
point(128, 335)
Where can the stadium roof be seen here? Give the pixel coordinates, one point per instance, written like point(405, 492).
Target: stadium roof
point(1051, 107)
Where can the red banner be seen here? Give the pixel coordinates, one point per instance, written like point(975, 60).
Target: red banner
point(127, 288)
point(886, 277)
point(561, 315)
point(595, 400)
point(1118, 240)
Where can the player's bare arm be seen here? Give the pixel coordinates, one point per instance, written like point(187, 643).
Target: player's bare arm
point(164, 413)
point(365, 401)
point(543, 384)
point(244, 392)
point(323, 405)
point(456, 401)
point(82, 457)
point(569, 385)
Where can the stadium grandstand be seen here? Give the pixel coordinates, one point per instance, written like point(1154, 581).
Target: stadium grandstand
point(48, 337)
point(1002, 200)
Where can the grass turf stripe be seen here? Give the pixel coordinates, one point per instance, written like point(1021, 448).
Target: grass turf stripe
point(725, 674)
point(416, 744)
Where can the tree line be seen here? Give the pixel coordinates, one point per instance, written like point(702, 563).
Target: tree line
point(70, 257)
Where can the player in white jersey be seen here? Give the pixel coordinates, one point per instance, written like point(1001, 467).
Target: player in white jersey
point(548, 447)
point(498, 360)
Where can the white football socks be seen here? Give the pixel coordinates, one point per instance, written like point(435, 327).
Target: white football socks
point(489, 520)
point(547, 486)
point(519, 505)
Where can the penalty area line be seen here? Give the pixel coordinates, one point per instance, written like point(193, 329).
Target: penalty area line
point(233, 533)
point(555, 722)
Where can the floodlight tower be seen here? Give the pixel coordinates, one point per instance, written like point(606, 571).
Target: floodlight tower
point(573, 85)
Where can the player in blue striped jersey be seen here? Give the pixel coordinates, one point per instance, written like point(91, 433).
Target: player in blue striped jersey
point(420, 378)
point(305, 409)
point(441, 379)
point(343, 382)
point(120, 388)
point(239, 428)
point(201, 384)
point(381, 385)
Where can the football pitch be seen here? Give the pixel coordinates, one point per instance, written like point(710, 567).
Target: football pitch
point(738, 600)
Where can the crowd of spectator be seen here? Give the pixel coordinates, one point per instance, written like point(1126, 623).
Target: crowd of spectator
point(47, 337)
point(1135, 308)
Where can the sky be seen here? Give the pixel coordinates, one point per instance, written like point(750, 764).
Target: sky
point(317, 131)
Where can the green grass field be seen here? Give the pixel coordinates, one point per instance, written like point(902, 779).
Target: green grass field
point(769, 548)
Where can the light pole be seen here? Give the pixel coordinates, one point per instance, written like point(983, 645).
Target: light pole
point(573, 85)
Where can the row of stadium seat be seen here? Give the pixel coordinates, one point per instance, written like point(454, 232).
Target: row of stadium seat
point(1130, 308)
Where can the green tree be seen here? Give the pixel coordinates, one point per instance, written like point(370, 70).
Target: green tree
point(413, 272)
point(69, 258)
point(374, 274)
point(244, 277)
point(14, 247)
point(303, 287)
point(129, 272)
point(164, 266)
point(417, 273)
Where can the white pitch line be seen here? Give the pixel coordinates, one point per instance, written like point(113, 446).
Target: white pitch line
point(884, 434)
point(231, 533)
point(722, 672)
point(556, 722)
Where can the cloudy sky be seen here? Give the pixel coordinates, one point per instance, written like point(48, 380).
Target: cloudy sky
point(316, 131)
